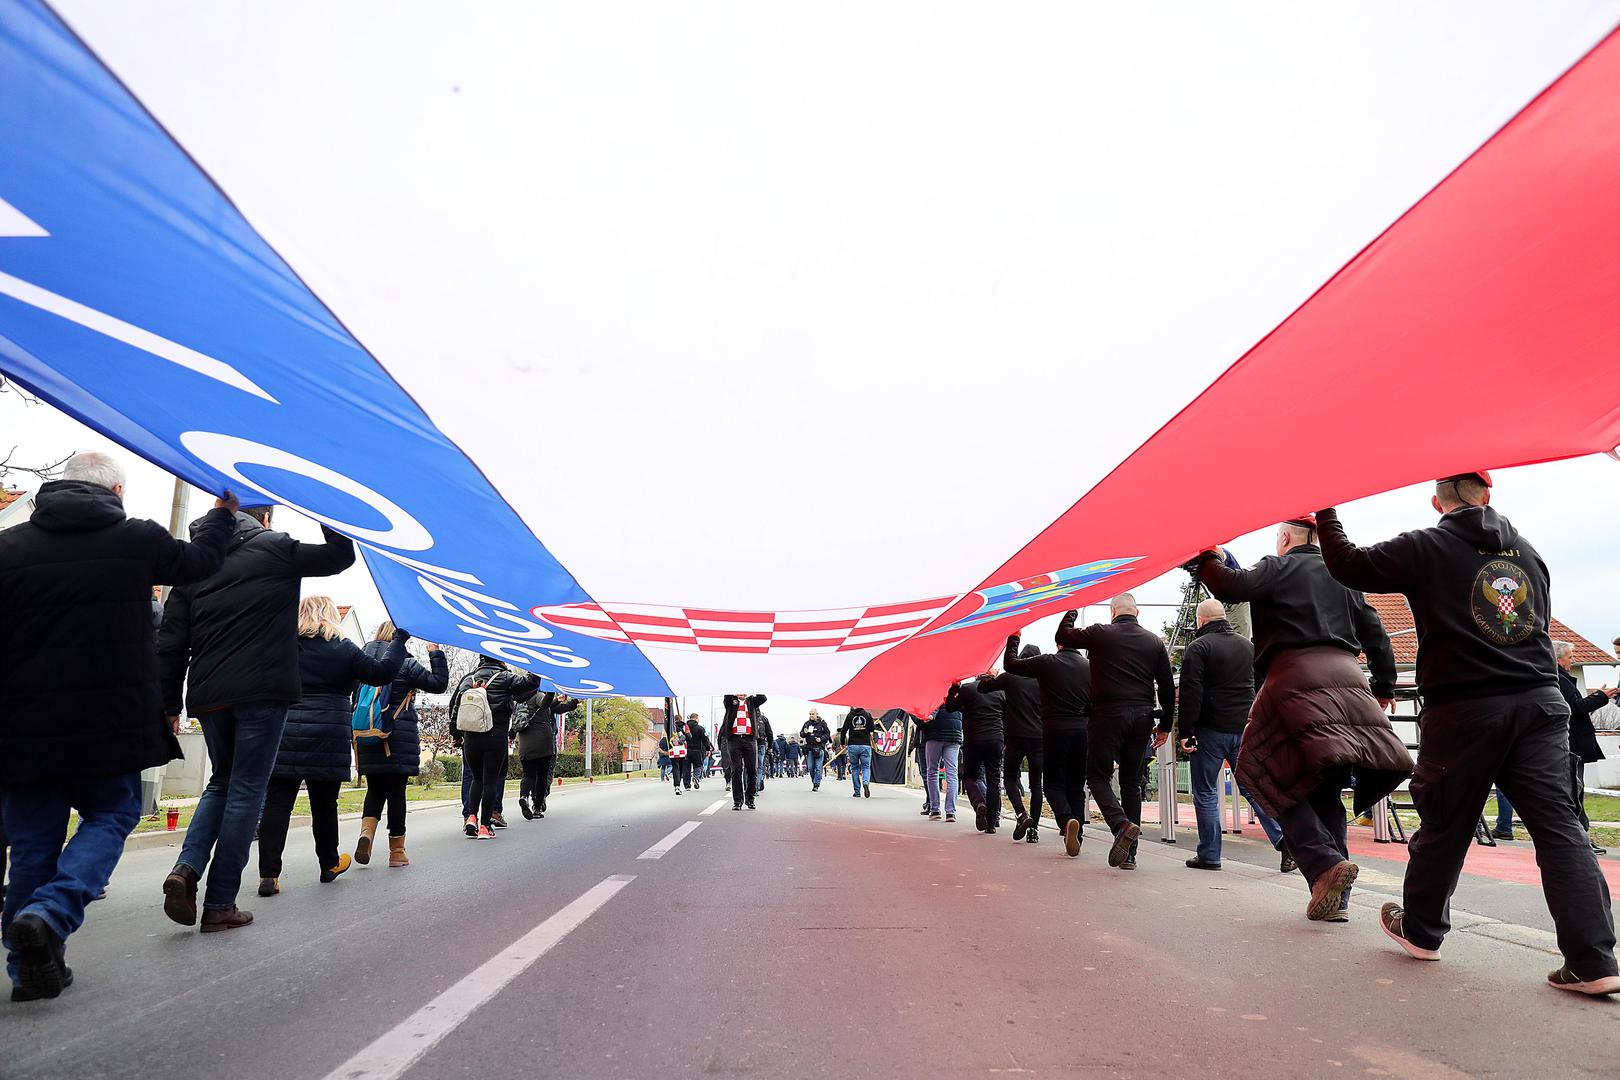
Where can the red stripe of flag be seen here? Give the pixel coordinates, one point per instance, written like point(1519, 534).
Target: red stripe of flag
point(729, 616)
point(836, 624)
point(736, 648)
point(647, 620)
point(576, 620)
point(679, 640)
point(740, 635)
point(884, 628)
point(871, 644)
point(807, 643)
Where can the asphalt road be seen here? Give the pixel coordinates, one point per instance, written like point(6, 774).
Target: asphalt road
point(819, 936)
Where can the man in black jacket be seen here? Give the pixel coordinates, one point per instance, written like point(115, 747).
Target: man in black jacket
point(1064, 678)
point(484, 753)
point(75, 598)
point(739, 734)
point(1315, 722)
point(764, 737)
point(983, 746)
point(698, 747)
point(1021, 720)
point(1583, 743)
point(1217, 689)
point(816, 737)
point(1492, 714)
point(1128, 665)
point(232, 643)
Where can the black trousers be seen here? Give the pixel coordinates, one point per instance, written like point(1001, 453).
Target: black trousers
point(681, 772)
point(387, 790)
point(1066, 761)
point(278, 807)
point(484, 754)
point(1521, 744)
point(981, 776)
point(1314, 827)
point(1117, 735)
point(743, 756)
point(537, 778)
point(1578, 789)
point(1021, 749)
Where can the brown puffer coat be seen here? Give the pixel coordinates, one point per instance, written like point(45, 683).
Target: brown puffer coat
point(1315, 712)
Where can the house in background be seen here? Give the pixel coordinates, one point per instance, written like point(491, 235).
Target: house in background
point(16, 507)
point(350, 621)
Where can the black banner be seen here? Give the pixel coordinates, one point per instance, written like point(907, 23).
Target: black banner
point(889, 748)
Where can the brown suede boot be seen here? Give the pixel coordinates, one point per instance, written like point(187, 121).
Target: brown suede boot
point(216, 920)
point(362, 847)
point(180, 895)
point(396, 851)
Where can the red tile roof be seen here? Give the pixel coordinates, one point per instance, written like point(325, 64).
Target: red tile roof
point(8, 496)
point(1397, 619)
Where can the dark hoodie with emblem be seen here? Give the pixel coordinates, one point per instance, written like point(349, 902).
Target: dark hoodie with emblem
point(1479, 595)
point(1023, 692)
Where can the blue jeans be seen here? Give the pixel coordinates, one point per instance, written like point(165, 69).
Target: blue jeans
point(1215, 748)
point(56, 882)
point(1504, 813)
point(860, 766)
point(816, 758)
point(242, 742)
point(949, 754)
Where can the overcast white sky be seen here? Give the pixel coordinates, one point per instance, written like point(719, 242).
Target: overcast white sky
point(1570, 510)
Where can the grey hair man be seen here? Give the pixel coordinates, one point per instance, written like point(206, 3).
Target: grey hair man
point(1583, 741)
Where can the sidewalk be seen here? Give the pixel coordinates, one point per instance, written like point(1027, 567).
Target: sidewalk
point(146, 841)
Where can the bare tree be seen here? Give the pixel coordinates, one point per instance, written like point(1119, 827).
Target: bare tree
point(49, 470)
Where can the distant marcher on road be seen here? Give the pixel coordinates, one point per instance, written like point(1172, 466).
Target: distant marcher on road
point(763, 747)
point(481, 709)
point(700, 746)
point(1583, 742)
point(857, 738)
point(1217, 691)
point(1021, 721)
point(1316, 721)
point(80, 709)
point(1129, 666)
point(232, 643)
point(1492, 714)
point(1064, 678)
point(387, 771)
point(316, 739)
point(737, 734)
point(817, 737)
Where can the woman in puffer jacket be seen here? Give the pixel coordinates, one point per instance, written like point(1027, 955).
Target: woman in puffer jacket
point(389, 765)
point(315, 742)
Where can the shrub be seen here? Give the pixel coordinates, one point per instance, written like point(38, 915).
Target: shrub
point(573, 765)
point(451, 767)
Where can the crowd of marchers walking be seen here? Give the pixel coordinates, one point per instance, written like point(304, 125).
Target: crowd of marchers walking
point(284, 699)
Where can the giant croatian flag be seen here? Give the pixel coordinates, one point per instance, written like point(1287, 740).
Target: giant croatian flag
point(801, 347)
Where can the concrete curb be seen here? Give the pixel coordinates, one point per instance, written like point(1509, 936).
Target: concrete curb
point(150, 840)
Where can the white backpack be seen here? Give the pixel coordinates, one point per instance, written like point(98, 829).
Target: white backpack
point(474, 713)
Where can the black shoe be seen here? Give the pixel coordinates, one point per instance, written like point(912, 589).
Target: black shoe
point(1021, 828)
point(1124, 845)
point(736, 806)
point(751, 806)
point(1034, 836)
point(1596, 850)
point(1200, 864)
point(981, 818)
point(926, 811)
point(1288, 864)
point(40, 971)
point(1128, 864)
point(19, 994)
point(525, 809)
point(1392, 918)
point(1564, 979)
point(815, 787)
point(1500, 835)
point(1071, 837)
point(866, 789)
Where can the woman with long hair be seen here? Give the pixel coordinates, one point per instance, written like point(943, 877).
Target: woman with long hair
point(388, 764)
point(315, 742)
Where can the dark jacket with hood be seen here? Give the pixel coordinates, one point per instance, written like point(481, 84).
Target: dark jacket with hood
point(1217, 681)
point(697, 737)
point(1128, 665)
point(858, 727)
point(318, 734)
point(1583, 741)
point(233, 639)
point(80, 695)
point(1314, 714)
point(405, 744)
point(1479, 594)
point(945, 726)
point(983, 713)
point(540, 717)
point(754, 701)
point(1064, 678)
point(1022, 715)
point(504, 688)
point(1296, 604)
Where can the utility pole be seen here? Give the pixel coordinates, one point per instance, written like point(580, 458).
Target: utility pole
point(589, 774)
point(177, 517)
